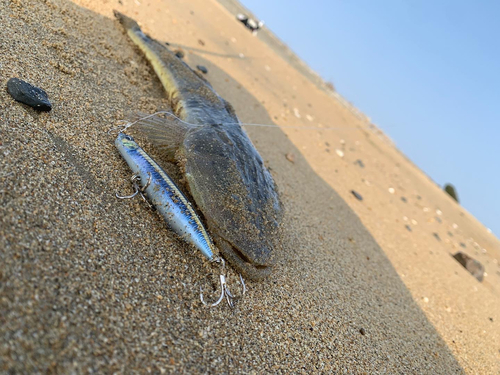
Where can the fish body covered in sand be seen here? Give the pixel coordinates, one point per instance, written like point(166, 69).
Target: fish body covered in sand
point(224, 173)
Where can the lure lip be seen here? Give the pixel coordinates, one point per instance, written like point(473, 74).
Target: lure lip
point(122, 136)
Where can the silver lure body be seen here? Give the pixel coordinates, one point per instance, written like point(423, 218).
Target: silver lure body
point(166, 196)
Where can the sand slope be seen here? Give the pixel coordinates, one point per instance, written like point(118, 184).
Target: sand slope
point(92, 284)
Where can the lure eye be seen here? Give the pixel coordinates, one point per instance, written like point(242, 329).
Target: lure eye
point(128, 138)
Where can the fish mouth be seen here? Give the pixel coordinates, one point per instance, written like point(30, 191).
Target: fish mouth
point(241, 262)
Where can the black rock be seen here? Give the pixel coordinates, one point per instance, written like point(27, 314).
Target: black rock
point(357, 195)
point(408, 227)
point(202, 69)
point(437, 236)
point(463, 245)
point(404, 199)
point(471, 265)
point(28, 94)
point(179, 53)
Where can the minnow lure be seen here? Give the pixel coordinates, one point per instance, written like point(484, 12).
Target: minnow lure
point(165, 196)
point(172, 205)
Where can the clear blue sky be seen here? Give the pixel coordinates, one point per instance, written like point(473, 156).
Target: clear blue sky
point(426, 72)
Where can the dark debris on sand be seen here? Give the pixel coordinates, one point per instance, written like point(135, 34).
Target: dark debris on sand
point(28, 94)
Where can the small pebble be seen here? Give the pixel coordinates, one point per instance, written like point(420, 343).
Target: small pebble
point(471, 265)
point(436, 236)
point(357, 195)
point(28, 94)
point(391, 190)
point(360, 163)
point(179, 53)
point(408, 228)
point(296, 112)
point(201, 42)
point(362, 331)
point(463, 245)
point(202, 69)
point(340, 153)
point(290, 157)
point(404, 199)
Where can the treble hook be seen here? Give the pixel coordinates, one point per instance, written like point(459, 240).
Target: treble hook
point(225, 292)
point(137, 190)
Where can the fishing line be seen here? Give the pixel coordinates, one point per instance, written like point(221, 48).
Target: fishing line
point(128, 124)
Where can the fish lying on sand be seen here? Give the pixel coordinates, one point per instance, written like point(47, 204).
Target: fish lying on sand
point(224, 173)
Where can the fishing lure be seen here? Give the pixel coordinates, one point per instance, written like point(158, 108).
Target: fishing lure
point(149, 178)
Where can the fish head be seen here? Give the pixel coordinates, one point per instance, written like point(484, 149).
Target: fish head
point(237, 196)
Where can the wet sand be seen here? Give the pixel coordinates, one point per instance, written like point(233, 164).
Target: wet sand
point(92, 284)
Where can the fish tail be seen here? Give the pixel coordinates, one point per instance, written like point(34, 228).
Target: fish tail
point(164, 62)
point(127, 22)
point(191, 98)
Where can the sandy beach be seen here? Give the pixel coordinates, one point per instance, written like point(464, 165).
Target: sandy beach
point(92, 284)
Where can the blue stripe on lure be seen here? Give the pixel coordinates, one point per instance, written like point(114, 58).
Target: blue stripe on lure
point(166, 196)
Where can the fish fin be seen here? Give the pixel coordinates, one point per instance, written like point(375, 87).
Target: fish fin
point(230, 110)
point(127, 22)
point(165, 133)
point(200, 76)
